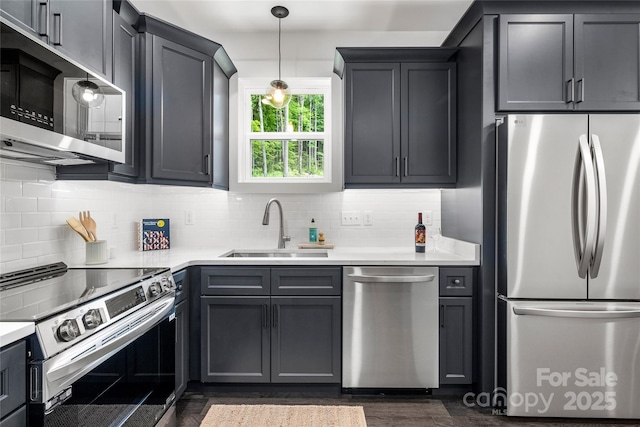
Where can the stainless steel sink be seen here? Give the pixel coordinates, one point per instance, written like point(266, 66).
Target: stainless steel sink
point(277, 253)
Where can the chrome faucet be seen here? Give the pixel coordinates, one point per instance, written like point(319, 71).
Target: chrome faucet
point(265, 221)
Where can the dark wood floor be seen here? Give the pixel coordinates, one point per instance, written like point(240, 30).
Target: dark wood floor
point(380, 411)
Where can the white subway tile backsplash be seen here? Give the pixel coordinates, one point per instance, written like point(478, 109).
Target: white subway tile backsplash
point(35, 208)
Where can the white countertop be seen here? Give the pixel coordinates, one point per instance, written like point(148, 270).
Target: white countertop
point(448, 252)
point(13, 331)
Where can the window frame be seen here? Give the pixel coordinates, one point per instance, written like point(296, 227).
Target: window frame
point(305, 86)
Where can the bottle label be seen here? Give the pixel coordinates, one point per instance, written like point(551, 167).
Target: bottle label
point(313, 235)
point(420, 237)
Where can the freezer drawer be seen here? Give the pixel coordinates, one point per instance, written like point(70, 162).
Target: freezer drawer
point(573, 359)
point(390, 327)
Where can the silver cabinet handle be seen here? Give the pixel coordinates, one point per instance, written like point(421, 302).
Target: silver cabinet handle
point(570, 90)
point(580, 314)
point(207, 165)
point(391, 279)
point(406, 167)
point(43, 16)
point(601, 188)
point(57, 17)
point(580, 90)
point(397, 166)
point(583, 234)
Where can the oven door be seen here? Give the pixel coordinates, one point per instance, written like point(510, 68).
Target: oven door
point(129, 379)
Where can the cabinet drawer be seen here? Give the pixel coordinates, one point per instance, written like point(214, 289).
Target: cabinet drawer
point(13, 374)
point(306, 281)
point(456, 282)
point(235, 281)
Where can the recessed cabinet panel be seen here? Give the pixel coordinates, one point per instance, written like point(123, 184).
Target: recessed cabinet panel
point(235, 346)
point(607, 62)
point(182, 116)
point(372, 131)
point(536, 61)
point(428, 123)
point(456, 341)
point(304, 348)
point(306, 281)
point(235, 281)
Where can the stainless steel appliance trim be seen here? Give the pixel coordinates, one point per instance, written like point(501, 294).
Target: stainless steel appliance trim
point(601, 187)
point(584, 234)
point(581, 314)
point(64, 369)
point(390, 279)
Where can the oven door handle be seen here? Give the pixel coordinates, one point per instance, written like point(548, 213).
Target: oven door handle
point(78, 360)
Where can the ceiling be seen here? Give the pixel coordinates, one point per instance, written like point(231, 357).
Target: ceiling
point(244, 16)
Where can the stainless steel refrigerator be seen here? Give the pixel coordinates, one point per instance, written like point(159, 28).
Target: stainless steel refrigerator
point(569, 265)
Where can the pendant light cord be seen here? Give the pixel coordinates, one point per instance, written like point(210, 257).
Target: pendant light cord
point(279, 49)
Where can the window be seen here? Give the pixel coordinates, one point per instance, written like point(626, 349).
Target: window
point(292, 144)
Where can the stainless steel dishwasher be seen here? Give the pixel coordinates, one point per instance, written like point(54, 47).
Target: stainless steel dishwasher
point(390, 327)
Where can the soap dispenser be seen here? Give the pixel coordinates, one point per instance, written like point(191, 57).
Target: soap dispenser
point(313, 232)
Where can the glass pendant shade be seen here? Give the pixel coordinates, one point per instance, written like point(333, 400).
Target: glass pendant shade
point(87, 93)
point(278, 94)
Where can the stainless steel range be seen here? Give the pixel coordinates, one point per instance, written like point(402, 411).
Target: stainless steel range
point(101, 345)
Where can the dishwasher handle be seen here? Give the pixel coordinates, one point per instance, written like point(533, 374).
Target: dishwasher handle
point(580, 314)
point(390, 279)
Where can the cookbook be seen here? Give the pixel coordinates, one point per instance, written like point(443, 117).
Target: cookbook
point(153, 234)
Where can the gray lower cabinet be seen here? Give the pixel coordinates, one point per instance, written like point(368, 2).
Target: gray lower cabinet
point(182, 331)
point(79, 29)
point(13, 380)
point(456, 325)
point(272, 338)
point(400, 127)
point(559, 62)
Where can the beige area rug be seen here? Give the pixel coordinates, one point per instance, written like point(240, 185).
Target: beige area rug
point(284, 416)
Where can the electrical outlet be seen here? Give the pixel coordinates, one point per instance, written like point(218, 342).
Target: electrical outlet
point(367, 218)
point(350, 218)
point(428, 218)
point(189, 218)
point(115, 221)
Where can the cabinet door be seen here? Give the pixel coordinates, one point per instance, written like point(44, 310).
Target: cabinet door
point(305, 340)
point(607, 62)
point(182, 347)
point(428, 123)
point(83, 30)
point(182, 138)
point(456, 340)
point(13, 377)
point(125, 40)
point(372, 128)
point(27, 14)
point(235, 339)
point(535, 62)
point(220, 129)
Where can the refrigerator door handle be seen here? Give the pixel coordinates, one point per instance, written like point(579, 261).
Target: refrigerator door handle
point(583, 231)
point(601, 188)
point(579, 314)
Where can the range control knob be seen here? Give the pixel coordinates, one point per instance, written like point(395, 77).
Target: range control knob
point(68, 330)
point(92, 319)
point(155, 289)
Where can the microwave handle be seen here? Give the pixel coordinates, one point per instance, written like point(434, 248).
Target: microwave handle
point(43, 17)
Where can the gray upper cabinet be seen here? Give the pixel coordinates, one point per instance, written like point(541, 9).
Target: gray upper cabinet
point(125, 42)
point(607, 62)
point(79, 29)
point(569, 62)
point(181, 112)
point(400, 109)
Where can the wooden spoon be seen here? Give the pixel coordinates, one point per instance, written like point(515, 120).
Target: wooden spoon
point(89, 224)
point(79, 228)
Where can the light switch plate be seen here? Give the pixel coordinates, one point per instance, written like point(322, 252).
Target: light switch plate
point(367, 218)
point(428, 218)
point(350, 218)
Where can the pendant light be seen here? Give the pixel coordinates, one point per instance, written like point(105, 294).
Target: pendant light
point(87, 93)
point(278, 94)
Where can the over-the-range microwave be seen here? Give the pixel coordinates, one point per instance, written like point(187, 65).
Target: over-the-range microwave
point(41, 120)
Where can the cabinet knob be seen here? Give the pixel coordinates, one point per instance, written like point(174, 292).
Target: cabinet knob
point(456, 281)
